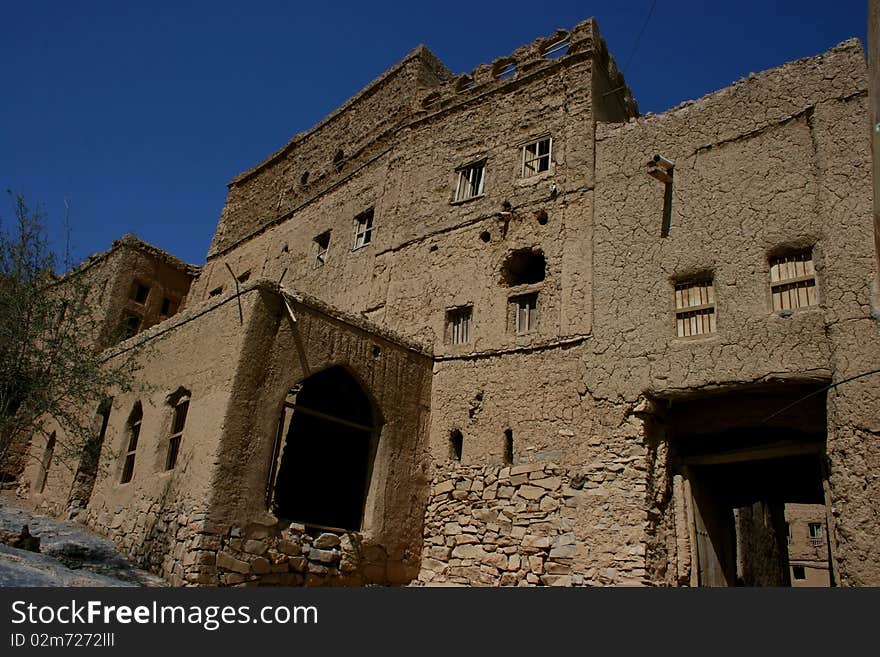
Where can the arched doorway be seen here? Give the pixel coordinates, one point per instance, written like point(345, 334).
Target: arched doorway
point(326, 442)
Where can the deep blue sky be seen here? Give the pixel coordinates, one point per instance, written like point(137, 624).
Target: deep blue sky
point(139, 113)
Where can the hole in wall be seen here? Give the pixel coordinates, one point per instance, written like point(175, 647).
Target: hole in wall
point(508, 446)
point(523, 267)
point(431, 100)
point(504, 70)
point(465, 83)
point(556, 47)
point(541, 217)
point(304, 179)
point(456, 445)
point(377, 351)
point(486, 236)
point(339, 160)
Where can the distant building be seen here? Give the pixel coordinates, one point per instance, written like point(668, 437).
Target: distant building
point(497, 329)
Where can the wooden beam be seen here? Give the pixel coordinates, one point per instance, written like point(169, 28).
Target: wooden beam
point(776, 450)
point(692, 528)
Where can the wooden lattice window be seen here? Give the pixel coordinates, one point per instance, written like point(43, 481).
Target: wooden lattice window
point(458, 322)
point(525, 313)
point(793, 281)
point(694, 308)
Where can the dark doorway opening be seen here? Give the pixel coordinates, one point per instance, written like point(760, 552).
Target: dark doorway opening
point(756, 483)
point(741, 516)
point(329, 433)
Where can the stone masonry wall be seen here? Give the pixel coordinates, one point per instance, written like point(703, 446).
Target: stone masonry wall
point(493, 526)
point(536, 524)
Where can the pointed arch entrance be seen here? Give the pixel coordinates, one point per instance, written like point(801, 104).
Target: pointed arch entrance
point(324, 451)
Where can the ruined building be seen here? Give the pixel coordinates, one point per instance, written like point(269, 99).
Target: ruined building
point(497, 328)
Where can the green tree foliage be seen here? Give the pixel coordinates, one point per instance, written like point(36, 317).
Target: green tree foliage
point(49, 367)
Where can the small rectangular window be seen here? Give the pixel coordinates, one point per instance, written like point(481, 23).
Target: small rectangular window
point(456, 445)
point(458, 325)
point(793, 281)
point(177, 424)
point(363, 229)
point(508, 446)
point(216, 292)
point(536, 157)
point(816, 534)
point(525, 313)
point(131, 325)
point(469, 181)
point(140, 292)
point(694, 308)
point(245, 277)
point(322, 246)
point(798, 572)
point(169, 307)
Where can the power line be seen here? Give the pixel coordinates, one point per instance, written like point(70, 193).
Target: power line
point(818, 392)
point(639, 37)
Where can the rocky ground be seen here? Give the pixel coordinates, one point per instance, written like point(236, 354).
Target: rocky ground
point(70, 554)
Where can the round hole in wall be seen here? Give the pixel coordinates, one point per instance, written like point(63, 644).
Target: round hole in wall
point(541, 216)
point(432, 248)
point(377, 351)
point(524, 266)
point(486, 236)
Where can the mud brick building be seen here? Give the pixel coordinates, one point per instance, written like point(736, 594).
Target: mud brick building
point(499, 329)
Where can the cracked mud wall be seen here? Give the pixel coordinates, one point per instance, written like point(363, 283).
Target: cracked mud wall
point(205, 522)
point(419, 229)
point(158, 516)
point(774, 161)
point(397, 379)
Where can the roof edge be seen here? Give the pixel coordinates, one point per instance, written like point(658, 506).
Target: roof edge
point(419, 52)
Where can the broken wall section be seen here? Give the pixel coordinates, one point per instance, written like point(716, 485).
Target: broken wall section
point(327, 154)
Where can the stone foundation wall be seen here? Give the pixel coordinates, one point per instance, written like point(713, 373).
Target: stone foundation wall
point(291, 555)
point(507, 526)
point(188, 549)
